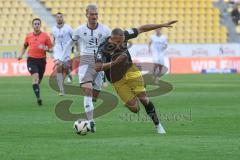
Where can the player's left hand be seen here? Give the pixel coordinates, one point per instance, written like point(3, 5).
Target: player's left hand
point(172, 22)
point(169, 24)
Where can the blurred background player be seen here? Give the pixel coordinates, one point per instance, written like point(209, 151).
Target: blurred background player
point(114, 58)
point(89, 36)
point(62, 33)
point(157, 46)
point(38, 43)
point(235, 15)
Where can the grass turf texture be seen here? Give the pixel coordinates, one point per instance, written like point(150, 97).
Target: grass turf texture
point(31, 132)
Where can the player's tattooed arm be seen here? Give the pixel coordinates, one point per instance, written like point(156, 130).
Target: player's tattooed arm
point(150, 27)
point(100, 66)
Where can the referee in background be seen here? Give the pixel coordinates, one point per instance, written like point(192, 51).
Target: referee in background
point(38, 43)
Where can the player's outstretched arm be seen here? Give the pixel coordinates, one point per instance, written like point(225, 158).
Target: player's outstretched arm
point(150, 27)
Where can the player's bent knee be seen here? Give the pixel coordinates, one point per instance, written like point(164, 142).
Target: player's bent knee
point(35, 78)
point(87, 85)
point(87, 89)
point(35, 81)
point(134, 109)
point(132, 105)
point(59, 69)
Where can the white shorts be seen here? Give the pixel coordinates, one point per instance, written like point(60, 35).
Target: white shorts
point(98, 81)
point(86, 70)
point(58, 53)
point(158, 58)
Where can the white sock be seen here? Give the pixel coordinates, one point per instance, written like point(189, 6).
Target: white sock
point(60, 82)
point(88, 106)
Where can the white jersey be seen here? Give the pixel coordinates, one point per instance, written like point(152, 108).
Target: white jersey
point(89, 39)
point(158, 43)
point(61, 37)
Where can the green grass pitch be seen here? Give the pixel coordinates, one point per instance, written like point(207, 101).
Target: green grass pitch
point(208, 129)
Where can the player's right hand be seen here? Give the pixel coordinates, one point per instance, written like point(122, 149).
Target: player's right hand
point(98, 66)
point(19, 58)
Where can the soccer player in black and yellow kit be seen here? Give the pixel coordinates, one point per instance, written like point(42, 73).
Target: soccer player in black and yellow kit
point(114, 59)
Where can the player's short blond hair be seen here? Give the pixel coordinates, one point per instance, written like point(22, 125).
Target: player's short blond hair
point(91, 7)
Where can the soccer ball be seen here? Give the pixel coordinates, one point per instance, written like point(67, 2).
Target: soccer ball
point(81, 126)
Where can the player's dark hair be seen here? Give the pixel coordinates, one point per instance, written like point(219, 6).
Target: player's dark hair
point(37, 19)
point(117, 32)
point(59, 13)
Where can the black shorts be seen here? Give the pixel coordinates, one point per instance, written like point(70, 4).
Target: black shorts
point(36, 65)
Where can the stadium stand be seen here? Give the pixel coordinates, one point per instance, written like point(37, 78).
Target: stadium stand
point(198, 19)
point(16, 19)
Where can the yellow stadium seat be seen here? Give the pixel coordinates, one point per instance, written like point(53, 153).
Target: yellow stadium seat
point(198, 20)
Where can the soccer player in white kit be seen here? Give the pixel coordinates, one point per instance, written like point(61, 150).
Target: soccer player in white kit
point(157, 46)
point(89, 36)
point(62, 33)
